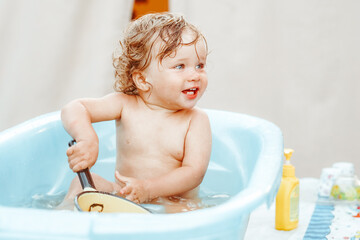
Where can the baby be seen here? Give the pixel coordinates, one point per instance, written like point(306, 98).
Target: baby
point(163, 141)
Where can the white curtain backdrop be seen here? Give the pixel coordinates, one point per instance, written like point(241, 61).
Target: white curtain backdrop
point(295, 63)
point(54, 51)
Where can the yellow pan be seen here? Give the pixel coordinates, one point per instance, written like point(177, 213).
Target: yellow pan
point(92, 200)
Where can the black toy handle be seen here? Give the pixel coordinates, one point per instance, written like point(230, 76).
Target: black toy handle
point(84, 175)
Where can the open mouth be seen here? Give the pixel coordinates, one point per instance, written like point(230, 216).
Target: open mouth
point(191, 92)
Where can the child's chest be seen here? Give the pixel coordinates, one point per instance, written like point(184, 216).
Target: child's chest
point(153, 136)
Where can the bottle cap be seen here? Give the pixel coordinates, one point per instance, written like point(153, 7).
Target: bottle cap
point(288, 153)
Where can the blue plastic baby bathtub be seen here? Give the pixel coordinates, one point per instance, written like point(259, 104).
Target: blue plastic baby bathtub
point(246, 163)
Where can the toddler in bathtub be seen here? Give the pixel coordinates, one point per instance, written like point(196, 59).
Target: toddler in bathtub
point(163, 140)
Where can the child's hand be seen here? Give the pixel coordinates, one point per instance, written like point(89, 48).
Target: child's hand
point(82, 155)
point(134, 189)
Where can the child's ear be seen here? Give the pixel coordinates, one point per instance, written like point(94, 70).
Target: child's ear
point(140, 81)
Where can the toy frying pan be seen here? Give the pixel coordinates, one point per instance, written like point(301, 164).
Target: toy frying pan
point(91, 200)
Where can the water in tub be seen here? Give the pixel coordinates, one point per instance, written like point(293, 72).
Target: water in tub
point(207, 199)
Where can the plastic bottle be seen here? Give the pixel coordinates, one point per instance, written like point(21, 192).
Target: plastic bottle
point(345, 186)
point(287, 199)
point(327, 179)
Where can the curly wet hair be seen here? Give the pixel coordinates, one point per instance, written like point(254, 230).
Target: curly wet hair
point(139, 38)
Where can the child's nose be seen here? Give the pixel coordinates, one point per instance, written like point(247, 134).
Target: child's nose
point(194, 75)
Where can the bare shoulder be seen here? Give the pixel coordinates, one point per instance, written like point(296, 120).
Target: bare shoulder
point(199, 116)
point(106, 108)
point(119, 96)
point(199, 123)
point(118, 100)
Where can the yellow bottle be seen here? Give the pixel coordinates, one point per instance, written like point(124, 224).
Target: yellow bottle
point(287, 198)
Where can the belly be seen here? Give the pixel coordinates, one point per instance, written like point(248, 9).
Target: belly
point(146, 167)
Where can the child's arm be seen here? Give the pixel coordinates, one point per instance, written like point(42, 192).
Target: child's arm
point(182, 179)
point(77, 117)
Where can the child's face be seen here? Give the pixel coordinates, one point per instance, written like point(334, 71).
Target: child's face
point(180, 79)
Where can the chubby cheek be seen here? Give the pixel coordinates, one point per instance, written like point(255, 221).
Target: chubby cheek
point(169, 93)
point(204, 84)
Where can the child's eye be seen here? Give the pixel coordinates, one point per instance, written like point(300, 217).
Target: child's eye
point(180, 66)
point(200, 66)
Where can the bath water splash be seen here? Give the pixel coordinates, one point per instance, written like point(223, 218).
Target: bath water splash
point(161, 205)
point(46, 201)
point(214, 200)
point(178, 204)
